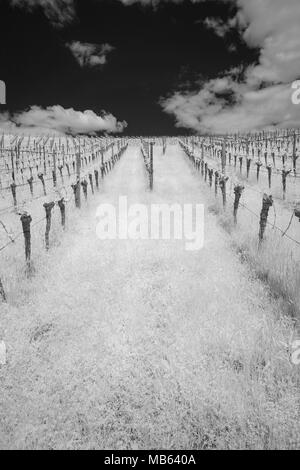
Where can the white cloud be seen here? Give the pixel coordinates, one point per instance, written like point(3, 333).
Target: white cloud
point(206, 112)
point(59, 12)
point(58, 119)
point(62, 12)
point(90, 55)
point(218, 26)
point(148, 2)
point(273, 25)
point(263, 98)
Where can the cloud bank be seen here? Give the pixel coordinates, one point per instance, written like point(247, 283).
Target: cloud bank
point(56, 119)
point(263, 97)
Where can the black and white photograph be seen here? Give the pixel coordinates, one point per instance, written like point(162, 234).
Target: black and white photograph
point(149, 228)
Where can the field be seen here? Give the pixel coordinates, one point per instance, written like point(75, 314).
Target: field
point(140, 344)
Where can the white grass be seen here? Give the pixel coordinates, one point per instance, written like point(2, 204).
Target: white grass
point(126, 345)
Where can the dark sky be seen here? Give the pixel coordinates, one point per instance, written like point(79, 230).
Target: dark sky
point(156, 52)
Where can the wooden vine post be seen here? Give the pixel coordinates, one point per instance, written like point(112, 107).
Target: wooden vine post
point(14, 194)
point(41, 177)
point(102, 163)
point(205, 171)
point(274, 160)
point(84, 185)
point(91, 182)
point(241, 164)
point(12, 165)
point(30, 182)
point(62, 207)
point(44, 158)
point(238, 190)
point(165, 146)
point(96, 172)
point(295, 158)
point(258, 167)
point(223, 183)
point(223, 157)
point(26, 221)
point(151, 166)
point(54, 170)
point(269, 169)
point(78, 173)
point(285, 173)
point(248, 167)
point(61, 172)
point(48, 208)
point(210, 177)
point(267, 203)
point(2, 292)
point(217, 175)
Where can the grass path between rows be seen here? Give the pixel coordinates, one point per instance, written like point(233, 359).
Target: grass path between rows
point(142, 344)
